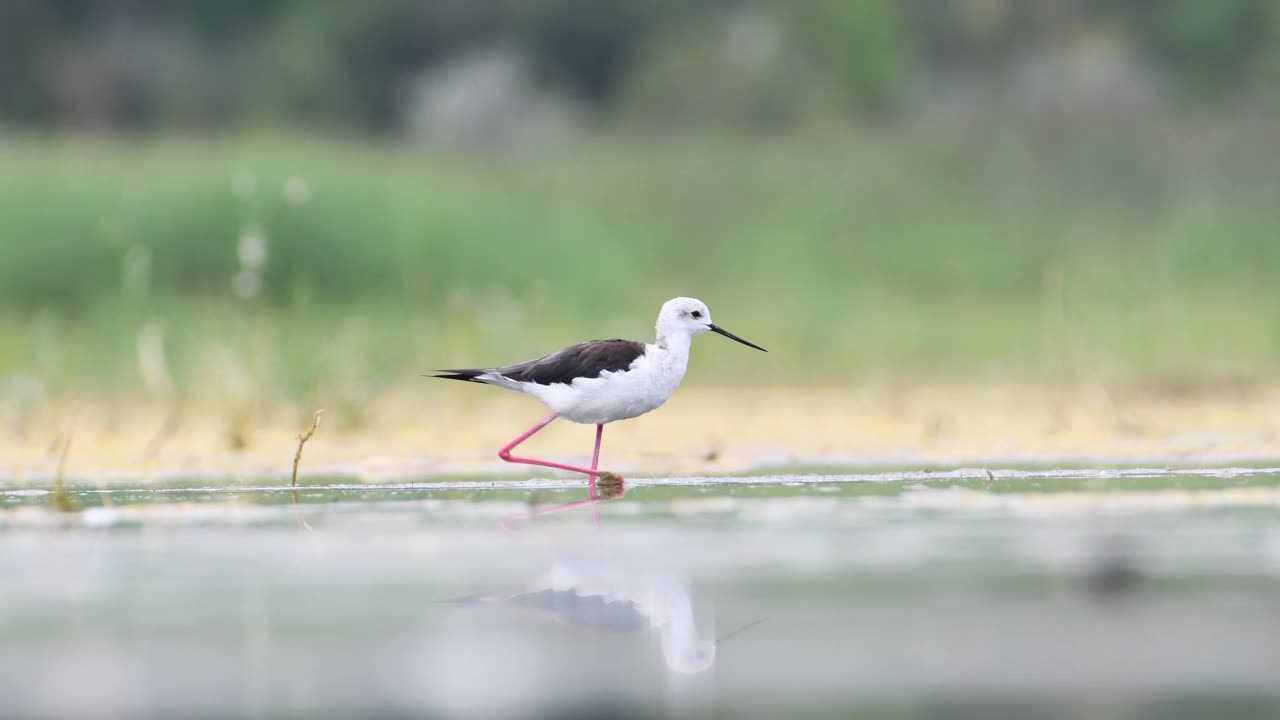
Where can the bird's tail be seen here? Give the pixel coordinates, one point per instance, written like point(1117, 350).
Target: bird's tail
point(466, 375)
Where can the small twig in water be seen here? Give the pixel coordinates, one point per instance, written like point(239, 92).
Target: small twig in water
point(60, 500)
point(302, 440)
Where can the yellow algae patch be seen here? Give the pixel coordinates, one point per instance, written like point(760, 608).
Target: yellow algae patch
point(430, 429)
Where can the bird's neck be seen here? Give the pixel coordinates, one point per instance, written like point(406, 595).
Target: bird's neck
point(676, 343)
point(675, 350)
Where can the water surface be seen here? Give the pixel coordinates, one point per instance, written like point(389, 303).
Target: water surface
point(1070, 591)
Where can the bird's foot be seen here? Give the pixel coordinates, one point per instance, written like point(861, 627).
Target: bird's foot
point(610, 485)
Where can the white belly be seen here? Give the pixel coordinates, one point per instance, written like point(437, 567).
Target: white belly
point(612, 396)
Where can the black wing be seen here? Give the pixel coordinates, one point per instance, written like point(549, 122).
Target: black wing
point(584, 360)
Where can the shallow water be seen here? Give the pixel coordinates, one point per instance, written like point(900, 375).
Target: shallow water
point(1124, 592)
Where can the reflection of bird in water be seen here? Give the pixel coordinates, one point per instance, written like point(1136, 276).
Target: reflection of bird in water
point(621, 600)
point(1115, 570)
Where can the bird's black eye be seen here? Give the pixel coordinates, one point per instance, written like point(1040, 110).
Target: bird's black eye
point(696, 313)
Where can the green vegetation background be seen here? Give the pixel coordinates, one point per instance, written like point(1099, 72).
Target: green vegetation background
point(903, 253)
point(196, 192)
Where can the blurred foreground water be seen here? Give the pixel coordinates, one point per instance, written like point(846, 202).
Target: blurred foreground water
point(1121, 593)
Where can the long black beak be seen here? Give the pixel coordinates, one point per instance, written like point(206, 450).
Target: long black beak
point(717, 329)
point(740, 628)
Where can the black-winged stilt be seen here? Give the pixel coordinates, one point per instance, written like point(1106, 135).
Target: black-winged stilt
point(604, 381)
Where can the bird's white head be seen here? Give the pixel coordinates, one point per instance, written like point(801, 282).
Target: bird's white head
point(690, 658)
point(681, 318)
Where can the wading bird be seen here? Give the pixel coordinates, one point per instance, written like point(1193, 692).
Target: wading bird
point(604, 381)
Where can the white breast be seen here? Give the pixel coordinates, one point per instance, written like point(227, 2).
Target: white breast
point(612, 396)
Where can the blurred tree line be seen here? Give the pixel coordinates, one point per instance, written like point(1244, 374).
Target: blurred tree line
point(139, 64)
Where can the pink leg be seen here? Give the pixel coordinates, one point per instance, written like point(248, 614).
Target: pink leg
point(595, 454)
point(508, 522)
point(591, 484)
point(505, 453)
point(593, 495)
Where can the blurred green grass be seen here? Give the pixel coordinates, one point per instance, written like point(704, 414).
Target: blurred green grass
point(984, 253)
